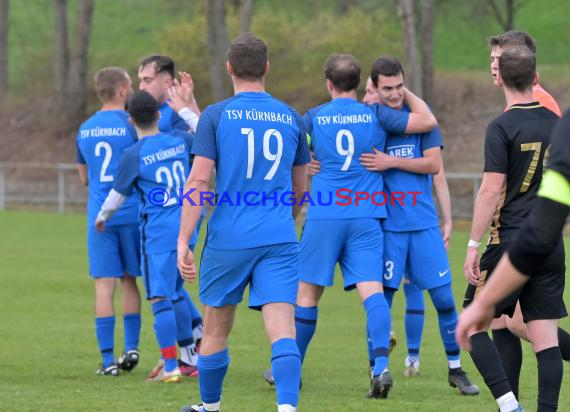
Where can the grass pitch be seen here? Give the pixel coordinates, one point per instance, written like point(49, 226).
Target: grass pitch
point(49, 355)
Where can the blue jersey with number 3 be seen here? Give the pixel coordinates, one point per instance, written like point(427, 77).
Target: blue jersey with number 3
point(157, 167)
point(341, 131)
point(255, 141)
point(101, 141)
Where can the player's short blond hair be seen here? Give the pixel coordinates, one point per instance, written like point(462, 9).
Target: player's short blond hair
point(108, 80)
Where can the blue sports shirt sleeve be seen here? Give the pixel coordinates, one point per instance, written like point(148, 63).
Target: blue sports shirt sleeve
point(128, 171)
point(431, 140)
point(391, 120)
point(308, 119)
point(178, 123)
point(303, 154)
point(205, 138)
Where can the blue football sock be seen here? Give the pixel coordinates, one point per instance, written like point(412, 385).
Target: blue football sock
point(194, 312)
point(389, 295)
point(371, 359)
point(211, 372)
point(414, 318)
point(378, 321)
point(165, 331)
point(183, 322)
point(105, 330)
point(286, 368)
point(442, 298)
point(132, 328)
point(306, 324)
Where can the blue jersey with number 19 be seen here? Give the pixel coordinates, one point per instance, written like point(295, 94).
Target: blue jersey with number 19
point(157, 167)
point(101, 140)
point(341, 131)
point(255, 141)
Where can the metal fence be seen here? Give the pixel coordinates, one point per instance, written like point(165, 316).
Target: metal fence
point(57, 187)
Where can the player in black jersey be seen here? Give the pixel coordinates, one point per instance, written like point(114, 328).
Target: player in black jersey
point(525, 261)
point(515, 148)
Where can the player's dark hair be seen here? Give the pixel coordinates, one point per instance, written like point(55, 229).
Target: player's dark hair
point(343, 70)
point(247, 56)
point(143, 109)
point(513, 38)
point(517, 67)
point(108, 80)
point(162, 64)
point(385, 66)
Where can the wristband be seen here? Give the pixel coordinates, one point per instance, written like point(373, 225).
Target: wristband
point(473, 243)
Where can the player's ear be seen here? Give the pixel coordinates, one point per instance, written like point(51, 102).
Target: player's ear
point(330, 86)
point(229, 69)
point(266, 68)
point(536, 79)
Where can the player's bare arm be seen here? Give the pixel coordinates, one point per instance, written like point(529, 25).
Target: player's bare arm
point(379, 161)
point(485, 206)
point(421, 118)
point(82, 171)
point(480, 313)
point(299, 183)
point(444, 201)
point(197, 182)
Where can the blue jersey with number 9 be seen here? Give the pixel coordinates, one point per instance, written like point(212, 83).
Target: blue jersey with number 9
point(101, 141)
point(341, 130)
point(255, 141)
point(157, 167)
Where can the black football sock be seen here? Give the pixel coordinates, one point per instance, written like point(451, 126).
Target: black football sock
point(549, 378)
point(488, 363)
point(564, 344)
point(510, 350)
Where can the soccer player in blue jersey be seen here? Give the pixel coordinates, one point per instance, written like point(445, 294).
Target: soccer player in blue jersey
point(157, 76)
point(259, 148)
point(413, 242)
point(156, 166)
point(114, 254)
point(341, 130)
point(415, 306)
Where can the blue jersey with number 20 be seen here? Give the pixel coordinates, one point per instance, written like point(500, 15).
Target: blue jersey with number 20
point(157, 166)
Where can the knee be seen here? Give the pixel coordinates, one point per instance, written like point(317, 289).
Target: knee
point(309, 294)
point(442, 298)
point(517, 327)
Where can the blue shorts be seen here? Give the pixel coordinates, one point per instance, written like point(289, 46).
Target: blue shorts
point(354, 243)
point(161, 276)
point(272, 273)
point(420, 254)
point(114, 251)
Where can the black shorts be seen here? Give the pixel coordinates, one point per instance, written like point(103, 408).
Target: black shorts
point(540, 298)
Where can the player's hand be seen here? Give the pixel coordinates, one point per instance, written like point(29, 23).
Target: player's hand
point(185, 263)
point(176, 98)
point(471, 266)
point(314, 167)
point(99, 225)
point(186, 86)
point(377, 161)
point(446, 232)
point(474, 318)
